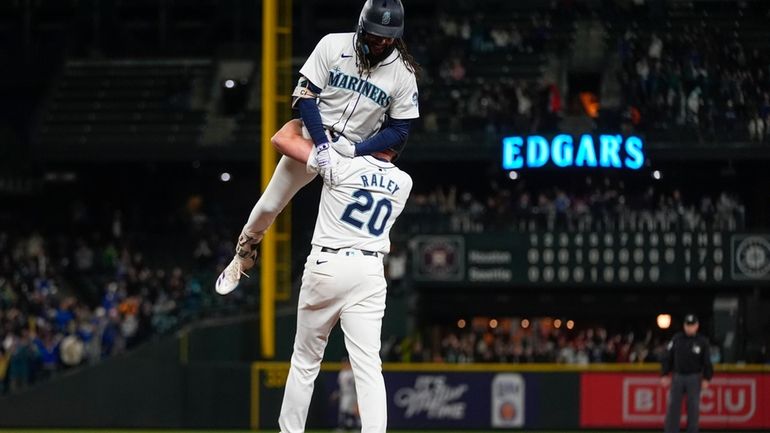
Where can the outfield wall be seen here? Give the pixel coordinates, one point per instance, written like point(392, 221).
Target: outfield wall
point(542, 396)
point(204, 379)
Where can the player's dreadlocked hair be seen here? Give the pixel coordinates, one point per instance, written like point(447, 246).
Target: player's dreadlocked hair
point(364, 61)
point(408, 59)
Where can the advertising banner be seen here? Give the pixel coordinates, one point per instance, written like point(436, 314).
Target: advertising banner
point(626, 400)
point(440, 399)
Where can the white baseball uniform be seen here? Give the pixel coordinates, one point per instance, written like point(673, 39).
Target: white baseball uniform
point(347, 393)
point(344, 280)
point(352, 105)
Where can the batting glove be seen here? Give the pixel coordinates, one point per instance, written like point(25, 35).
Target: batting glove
point(344, 147)
point(326, 164)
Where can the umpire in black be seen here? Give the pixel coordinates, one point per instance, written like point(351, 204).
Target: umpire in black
point(689, 360)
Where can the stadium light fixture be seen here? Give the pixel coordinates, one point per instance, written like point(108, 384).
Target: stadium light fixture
point(225, 177)
point(664, 321)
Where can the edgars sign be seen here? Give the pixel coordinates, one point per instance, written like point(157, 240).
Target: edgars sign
point(606, 150)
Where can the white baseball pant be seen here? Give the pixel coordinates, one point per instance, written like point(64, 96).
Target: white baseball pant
point(289, 177)
point(350, 287)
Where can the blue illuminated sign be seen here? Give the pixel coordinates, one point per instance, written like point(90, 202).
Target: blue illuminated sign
point(606, 150)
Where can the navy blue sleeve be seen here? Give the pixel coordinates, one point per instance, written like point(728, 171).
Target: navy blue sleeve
point(392, 135)
point(311, 117)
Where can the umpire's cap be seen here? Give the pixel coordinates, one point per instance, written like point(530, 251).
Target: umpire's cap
point(383, 18)
point(690, 319)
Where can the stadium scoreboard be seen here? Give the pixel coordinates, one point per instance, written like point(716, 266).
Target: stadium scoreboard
point(591, 258)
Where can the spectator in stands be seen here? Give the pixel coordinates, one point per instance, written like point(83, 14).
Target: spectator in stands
point(590, 207)
point(656, 48)
point(23, 356)
point(47, 346)
point(46, 298)
point(757, 128)
point(516, 41)
point(452, 70)
point(702, 77)
point(540, 342)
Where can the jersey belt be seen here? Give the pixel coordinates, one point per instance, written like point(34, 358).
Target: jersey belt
point(336, 250)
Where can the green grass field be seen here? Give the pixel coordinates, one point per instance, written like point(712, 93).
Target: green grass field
point(308, 431)
point(325, 431)
point(314, 431)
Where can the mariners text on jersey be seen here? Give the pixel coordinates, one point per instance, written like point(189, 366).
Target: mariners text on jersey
point(378, 180)
point(341, 80)
point(355, 103)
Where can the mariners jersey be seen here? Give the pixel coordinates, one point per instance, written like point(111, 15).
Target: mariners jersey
point(354, 105)
point(359, 211)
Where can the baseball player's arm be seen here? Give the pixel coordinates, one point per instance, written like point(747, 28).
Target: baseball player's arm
point(290, 142)
point(305, 96)
point(392, 136)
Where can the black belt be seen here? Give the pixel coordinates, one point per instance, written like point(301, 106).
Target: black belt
point(336, 250)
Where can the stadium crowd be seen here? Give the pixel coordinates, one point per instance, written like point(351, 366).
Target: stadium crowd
point(598, 204)
point(460, 94)
point(699, 81)
point(692, 81)
point(47, 324)
point(540, 341)
point(73, 297)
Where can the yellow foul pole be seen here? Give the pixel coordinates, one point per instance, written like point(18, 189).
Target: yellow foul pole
point(269, 123)
point(275, 251)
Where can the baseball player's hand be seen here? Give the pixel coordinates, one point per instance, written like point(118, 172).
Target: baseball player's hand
point(665, 381)
point(323, 157)
point(326, 164)
point(344, 147)
point(704, 385)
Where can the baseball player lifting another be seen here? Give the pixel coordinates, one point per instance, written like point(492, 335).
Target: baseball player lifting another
point(344, 278)
point(358, 94)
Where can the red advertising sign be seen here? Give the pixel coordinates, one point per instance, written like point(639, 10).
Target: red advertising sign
point(616, 400)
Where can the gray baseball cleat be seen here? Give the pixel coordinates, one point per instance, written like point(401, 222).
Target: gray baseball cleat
point(245, 258)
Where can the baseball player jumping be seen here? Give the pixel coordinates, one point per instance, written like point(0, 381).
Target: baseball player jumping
point(344, 278)
point(358, 94)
